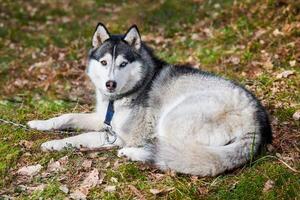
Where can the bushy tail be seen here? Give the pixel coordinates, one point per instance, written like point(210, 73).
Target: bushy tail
point(191, 158)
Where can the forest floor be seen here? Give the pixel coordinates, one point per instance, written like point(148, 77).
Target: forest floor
point(43, 51)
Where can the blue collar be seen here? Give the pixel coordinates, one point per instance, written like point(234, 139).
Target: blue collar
point(109, 113)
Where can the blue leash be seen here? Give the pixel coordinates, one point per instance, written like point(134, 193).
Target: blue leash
point(107, 123)
point(109, 113)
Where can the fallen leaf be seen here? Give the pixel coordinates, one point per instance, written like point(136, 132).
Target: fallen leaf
point(292, 63)
point(195, 36)
point(55, 166)
point(41, 64)
point(30, 170)
point(78, 195)
point(296, 115)
point(158, 176)
point(268, 64)
point(64, 189)
point(234, 60)
point(136, 192)
point(90, 181)
point(276, 33)
point(202, 190)
point(160, 191)
point(93, 155)
point(156, 191)
point(114, 179)
point(268, 185)
point(33, 188)
point(285, 74)
point(110, 188)
point(87, 164)
point(259, 33)
point(26, 144)
point(208, 32)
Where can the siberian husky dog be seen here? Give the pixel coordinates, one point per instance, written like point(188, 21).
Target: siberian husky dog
point(176, 117)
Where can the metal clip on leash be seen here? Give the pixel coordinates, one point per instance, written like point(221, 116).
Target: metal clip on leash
point(109, 132)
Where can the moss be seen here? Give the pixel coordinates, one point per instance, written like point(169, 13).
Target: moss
point(250, 184)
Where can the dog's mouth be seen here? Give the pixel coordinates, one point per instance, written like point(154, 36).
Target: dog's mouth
point(111, 91)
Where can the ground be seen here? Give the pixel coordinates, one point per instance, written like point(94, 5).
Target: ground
point(43, 52)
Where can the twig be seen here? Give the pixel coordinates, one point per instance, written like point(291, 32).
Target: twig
point(291, 168)
point(96, 149)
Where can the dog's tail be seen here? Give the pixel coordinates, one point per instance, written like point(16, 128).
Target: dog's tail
point(188, 157)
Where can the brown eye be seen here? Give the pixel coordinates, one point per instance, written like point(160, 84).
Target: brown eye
point(103, 62)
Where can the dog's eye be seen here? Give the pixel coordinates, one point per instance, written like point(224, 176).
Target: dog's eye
point(103, 62)
point(123, 64)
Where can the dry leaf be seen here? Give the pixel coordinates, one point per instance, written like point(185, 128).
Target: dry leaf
point(208, 32)
point(285, 74)
point(136, 192)
point(90, 181)
point(296, 115)
point(158, 176)
point(41, 64)
point(276, 33)
point(57, 165)
point(234, 60)
point(110, 188)
point(114, 179)
point(30, 170)
point(157, 191)
point(195, 36)
point(26, 144)
point(87, 164)
point(268, 185)
point(64, 189)
point(292, 63)
point(202, 190)
point(33, 188)
point(78, 195)
point(268, 64)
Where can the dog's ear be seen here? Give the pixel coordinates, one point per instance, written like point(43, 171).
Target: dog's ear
point(101, 34)
point(133, 38)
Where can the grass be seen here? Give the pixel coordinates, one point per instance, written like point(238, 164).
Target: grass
point(42, 63)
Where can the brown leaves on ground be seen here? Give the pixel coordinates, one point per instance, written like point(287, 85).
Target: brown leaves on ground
point(137, 192)
point(268, 185)
point(296, 115)
point(161, 191)
point(89, 182)
point(272, 45)
point(57, 166)
point(30, 170)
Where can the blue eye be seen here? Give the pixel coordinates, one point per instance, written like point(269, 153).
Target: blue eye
point(123, 64)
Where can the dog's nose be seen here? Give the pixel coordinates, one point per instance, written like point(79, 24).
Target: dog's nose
point(111, 85)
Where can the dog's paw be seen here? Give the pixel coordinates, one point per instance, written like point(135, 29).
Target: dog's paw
point(134, 154)
point(53, 145)
point(42, 125)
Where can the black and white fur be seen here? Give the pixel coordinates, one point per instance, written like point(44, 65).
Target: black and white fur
point(178, 117)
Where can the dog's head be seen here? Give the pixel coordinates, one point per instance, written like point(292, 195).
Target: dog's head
point(116, 65)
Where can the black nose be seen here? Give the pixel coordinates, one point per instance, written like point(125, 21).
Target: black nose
point(111, 85)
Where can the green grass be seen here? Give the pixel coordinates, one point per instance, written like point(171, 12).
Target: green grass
point(32, 32)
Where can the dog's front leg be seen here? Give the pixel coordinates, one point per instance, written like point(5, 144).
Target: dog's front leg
point(84, 121)
point(88, 140)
